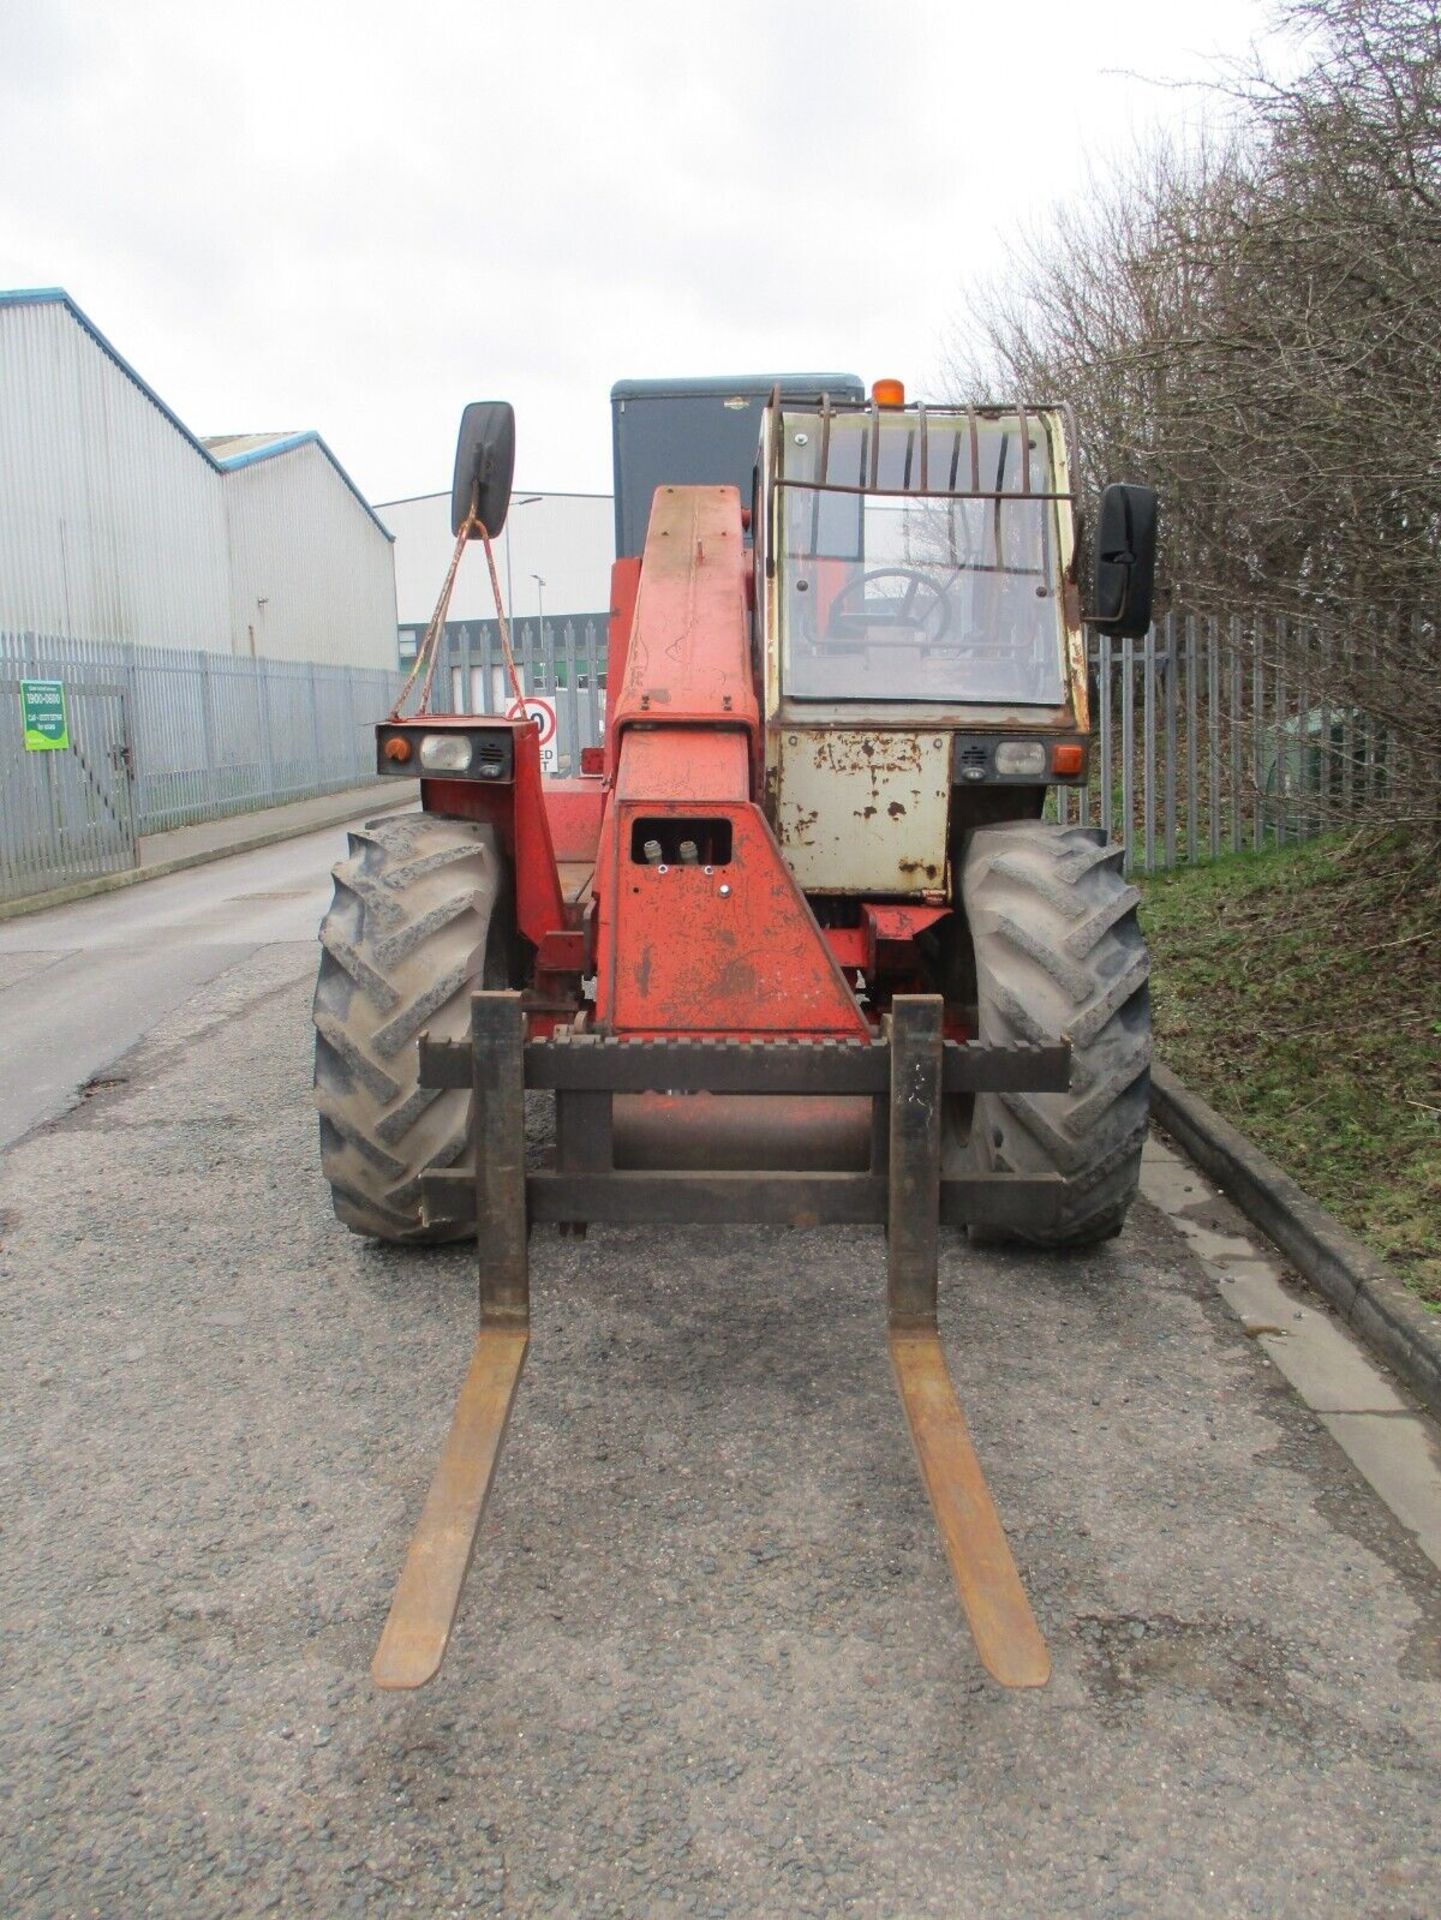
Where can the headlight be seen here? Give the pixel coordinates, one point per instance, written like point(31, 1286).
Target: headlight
point(445, 752)
point(1013, 757)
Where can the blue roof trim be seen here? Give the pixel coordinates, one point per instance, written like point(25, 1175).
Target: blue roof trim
point(229, 463)
point(58, 297)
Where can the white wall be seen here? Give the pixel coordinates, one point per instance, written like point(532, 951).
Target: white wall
point(567, 538)
point(116, 525)
point(311, 573)
point(112, 523)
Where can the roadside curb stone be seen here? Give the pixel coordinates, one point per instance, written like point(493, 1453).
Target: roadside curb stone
point(1355, 1281)
point(349, 803)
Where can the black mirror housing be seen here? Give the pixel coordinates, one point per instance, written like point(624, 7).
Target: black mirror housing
point(484, 465)
point(1126, 560)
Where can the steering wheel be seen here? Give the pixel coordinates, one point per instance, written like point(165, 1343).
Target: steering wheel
point(898, 611)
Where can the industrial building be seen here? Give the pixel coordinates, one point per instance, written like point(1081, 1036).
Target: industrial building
point(119, 525)
point(553, 558)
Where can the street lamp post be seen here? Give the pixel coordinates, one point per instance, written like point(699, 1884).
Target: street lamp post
point(540, 605)
point(530, 500)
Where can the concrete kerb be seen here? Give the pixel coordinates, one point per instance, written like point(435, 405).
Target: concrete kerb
point(1354, 1280)
point(348, 806)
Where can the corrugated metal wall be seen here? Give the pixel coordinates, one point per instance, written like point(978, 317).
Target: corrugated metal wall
point(112, 524)
point(311, 573)
point(117, 526)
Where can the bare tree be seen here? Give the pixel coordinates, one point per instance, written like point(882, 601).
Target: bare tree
point(1253, 324)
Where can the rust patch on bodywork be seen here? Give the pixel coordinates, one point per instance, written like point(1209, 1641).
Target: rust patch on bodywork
point(863, 810)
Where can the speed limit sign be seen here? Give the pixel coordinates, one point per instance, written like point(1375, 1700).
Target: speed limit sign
point(541, 714)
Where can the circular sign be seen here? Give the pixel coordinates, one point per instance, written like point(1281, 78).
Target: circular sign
point(539, 712)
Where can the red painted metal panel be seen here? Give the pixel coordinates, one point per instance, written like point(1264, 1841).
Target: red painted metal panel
point(850, 946)
point(900, 922)
point(668, 768)
point(539, 907)
point(624, 585)
point(574, 809)
point(733, 950)
point(689, 659)
point(518, 814)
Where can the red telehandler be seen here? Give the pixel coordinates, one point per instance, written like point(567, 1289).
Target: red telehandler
point(797, 944)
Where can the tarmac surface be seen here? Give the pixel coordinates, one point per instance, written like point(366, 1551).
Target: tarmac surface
point(709, 1662)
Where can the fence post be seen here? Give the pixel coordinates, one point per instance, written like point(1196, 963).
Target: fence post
point(592, 685)
point(1258, 725)
point(547, 654)
point(1104, 695)
point(1305, 787)
point(1282, 758)
point(572, 699)
point(1128, 747)
point(1193, 798)
point(1213, 730)
point(315, 721)
point(1148, 746)
point(133, 737)
point(467, 673)
point(1326, 766)
point(1168, 778)
point(1237, 724)
point(207, 731)
point(262, 711)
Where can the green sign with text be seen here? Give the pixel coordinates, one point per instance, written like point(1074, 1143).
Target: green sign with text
point(42, 712)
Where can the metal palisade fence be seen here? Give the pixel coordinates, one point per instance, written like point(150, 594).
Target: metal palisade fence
point(1211, 736)
point(1223, 735)
point(562, 661)
point(160, 737)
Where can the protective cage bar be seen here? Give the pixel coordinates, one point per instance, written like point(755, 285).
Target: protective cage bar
point(907, 1073)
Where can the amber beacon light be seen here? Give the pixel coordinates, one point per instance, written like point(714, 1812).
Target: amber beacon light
point(889, 393)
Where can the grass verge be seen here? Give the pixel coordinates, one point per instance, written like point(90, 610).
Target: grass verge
point(1299, 991)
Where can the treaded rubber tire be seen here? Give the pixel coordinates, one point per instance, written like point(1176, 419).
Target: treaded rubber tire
point(1059, 955)
point(421, 916)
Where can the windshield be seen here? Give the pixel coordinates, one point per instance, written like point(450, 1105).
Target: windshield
point(917, 594)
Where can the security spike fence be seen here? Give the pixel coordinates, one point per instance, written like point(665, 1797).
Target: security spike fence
point(563, 661)
point(1230, 734)
point(164, 737)
point(1211, 736)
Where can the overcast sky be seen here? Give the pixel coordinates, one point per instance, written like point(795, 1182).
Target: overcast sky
point(358, 217)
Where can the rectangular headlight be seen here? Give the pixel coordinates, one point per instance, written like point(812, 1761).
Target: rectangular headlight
point(1018, 757)
point(445, 752)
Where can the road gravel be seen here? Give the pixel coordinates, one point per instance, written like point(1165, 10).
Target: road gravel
point(709, 1662)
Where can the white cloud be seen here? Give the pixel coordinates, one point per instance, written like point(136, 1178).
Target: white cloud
point(358, 217)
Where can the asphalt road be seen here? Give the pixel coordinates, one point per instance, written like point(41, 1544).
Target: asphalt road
point(709, 1662)
point(80, 984)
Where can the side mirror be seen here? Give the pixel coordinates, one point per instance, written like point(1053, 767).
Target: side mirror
point(1125, 560)
point(484, 464)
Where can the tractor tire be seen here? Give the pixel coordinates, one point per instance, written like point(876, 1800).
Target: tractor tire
point(421, 917)
point(1059, 956)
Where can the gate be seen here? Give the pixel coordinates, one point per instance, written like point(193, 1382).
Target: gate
point(68, 811)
